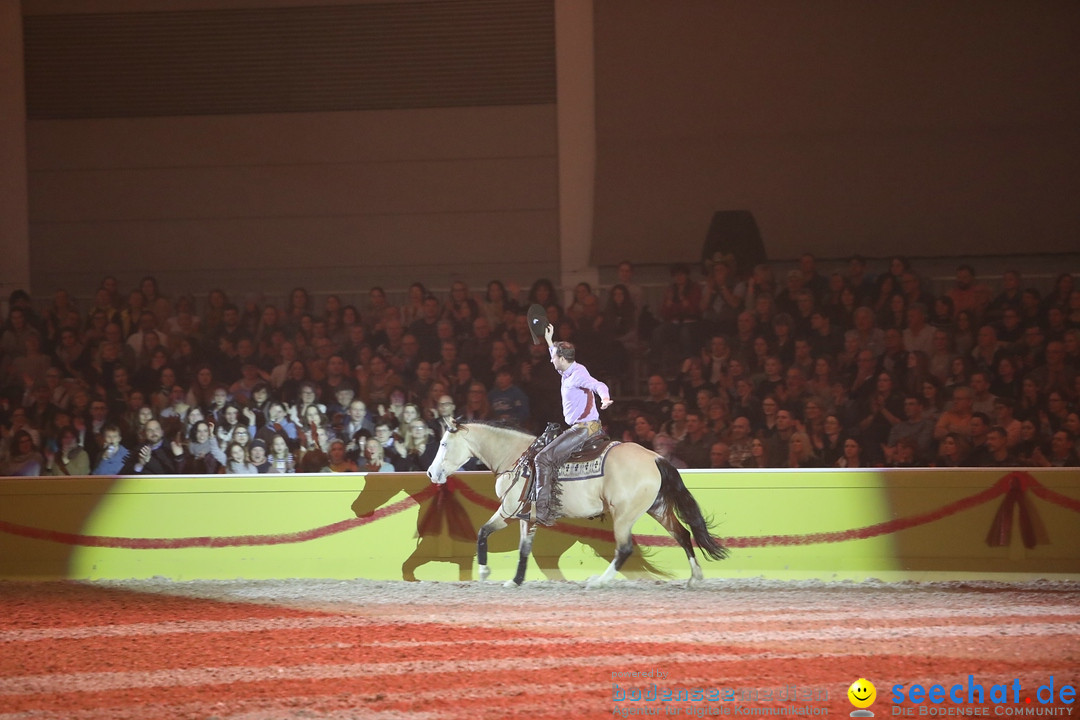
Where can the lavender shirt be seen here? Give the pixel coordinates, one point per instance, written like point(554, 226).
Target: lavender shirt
point(578, 386)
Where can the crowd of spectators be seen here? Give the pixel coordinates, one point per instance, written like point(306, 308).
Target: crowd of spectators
point(739, 370)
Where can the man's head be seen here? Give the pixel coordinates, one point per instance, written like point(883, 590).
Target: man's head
point(344, 395)
point(695, 427)
point(996, 440)
point(337, 453)
point(111, 434)
point(1061, 444)
point(564, 357)
point(980, 383)
point(980, 425)
point(257, 451)
point(912, 407)
point(719, 454)
point(965, 277)
point(357, 410)
point(153, 432)
point(905, 452)
point(962, 399)
point(784, 420)
point(740, 428)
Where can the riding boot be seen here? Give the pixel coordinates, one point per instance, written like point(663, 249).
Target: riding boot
point(544, 478)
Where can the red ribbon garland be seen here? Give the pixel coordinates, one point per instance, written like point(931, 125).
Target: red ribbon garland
point(446, 507)
point(1012, 486)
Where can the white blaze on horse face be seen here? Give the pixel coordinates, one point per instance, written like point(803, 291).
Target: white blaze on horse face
point(436, 472)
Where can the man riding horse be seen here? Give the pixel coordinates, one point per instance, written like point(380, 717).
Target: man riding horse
point(581, 415)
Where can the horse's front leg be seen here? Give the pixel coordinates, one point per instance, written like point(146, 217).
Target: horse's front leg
point(528, 532)
point(497, 522)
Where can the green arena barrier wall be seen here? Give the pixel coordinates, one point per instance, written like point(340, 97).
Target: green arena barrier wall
point(919, 524)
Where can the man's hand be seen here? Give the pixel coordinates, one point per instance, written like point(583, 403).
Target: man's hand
point(606, 403)
point(549, 332)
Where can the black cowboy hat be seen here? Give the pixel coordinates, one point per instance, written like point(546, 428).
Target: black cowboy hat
point(538, 322)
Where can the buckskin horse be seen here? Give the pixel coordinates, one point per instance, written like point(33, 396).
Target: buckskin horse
point(381, 488)
point(631, 482)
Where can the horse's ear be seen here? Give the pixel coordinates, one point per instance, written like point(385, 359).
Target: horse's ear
point(451, 425)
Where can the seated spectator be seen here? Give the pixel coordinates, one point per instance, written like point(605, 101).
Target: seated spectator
point(1062, 451)
point(70, 458)
point(739, 442)
point(644, 431)
point(967, 293)
point(675, 425)
point(115, 459)
point(777, 444)
point(800, 451)
point(693, 449)
point(419, 446)
point(719, 455)
point(914, 427)
point(853, 454)
point(677, 334)
point(156, 456)
point(507, 400)
point(982, 400)
point(952, 451)
point(239, 464)
point(664, 446)
point(902, 454)
point(956, 419)
point(979, 453)
point(757, 457)
point(374, 458)
point(281, 459)
point(21, 457)
point(339, 459)
point(258, 455)
point(998, 453)
point(207, 457)
point(476, 403)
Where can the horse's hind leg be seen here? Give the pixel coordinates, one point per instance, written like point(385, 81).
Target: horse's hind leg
point(624, 546)
point(528, 532)
point(666, 517)
point(497, 522)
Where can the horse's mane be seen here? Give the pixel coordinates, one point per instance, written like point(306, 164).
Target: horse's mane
point(503, 425)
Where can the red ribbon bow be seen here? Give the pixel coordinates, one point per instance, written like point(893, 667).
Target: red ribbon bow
point(445, 506)
point(1000, 534)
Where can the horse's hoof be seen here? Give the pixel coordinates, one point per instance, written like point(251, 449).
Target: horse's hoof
point(596, 581)
point(484, 572)
point(511, 584)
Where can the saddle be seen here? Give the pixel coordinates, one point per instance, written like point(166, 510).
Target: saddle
point(591, 452)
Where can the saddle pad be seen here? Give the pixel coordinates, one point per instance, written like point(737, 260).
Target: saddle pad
point(586, 467)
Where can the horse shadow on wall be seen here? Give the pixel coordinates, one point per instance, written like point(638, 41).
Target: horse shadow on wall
point(444, 535)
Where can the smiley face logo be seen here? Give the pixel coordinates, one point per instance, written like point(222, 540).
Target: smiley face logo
point(862, 693)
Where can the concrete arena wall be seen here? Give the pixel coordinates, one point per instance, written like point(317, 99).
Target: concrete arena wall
point(828, 524)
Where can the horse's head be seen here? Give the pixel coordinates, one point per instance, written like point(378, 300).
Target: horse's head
point(453, 453)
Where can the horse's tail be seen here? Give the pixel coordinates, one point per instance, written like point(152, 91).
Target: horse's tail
point(678, 499)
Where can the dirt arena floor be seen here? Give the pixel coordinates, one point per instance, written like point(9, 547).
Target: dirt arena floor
point(360, 649)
